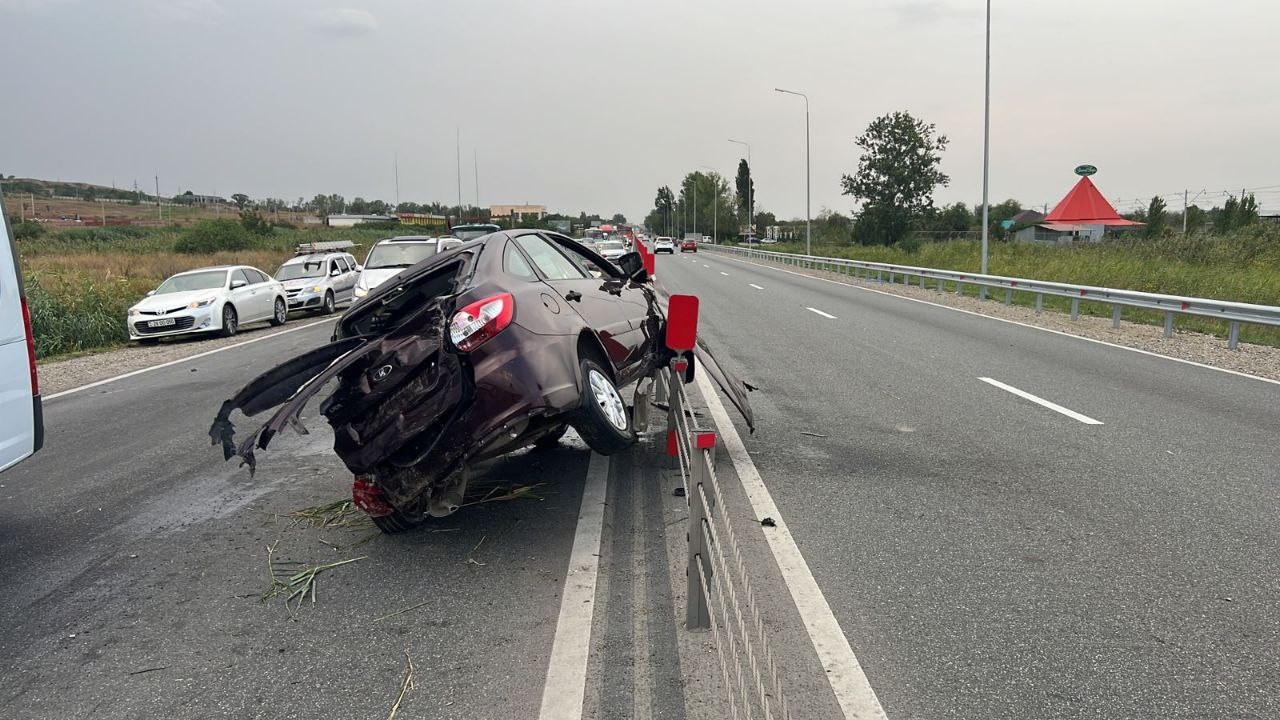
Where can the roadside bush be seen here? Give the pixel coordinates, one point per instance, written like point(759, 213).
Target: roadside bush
point(27, 230)
point(69, 314)
point(252, 221)
point(210, 236)
point(389, 225)
point(283, 224)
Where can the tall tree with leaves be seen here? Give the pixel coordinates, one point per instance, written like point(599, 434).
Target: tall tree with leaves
point(661, 216)
point(240, 199)
point(1156, 217)
point(896, 176)
point(745, 189)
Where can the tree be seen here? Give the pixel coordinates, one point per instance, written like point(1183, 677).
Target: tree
point(745, 189)
point(618, 219)
point(1155, 217)
point(896, 176)
point(358, 206)
point(661, 217)
point(1196, 218)
point(240, 199)
point(763, 220)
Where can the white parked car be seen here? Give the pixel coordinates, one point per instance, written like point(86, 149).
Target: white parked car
point(664, 244)
point(21, 413)
point(209, 300)
point(319, 281)
point(611, 250)
point(388, 257)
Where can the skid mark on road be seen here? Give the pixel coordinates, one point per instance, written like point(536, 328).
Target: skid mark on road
point(1041, 401)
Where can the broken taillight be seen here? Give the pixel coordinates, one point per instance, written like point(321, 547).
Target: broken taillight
point(476, 323)
point(368, 497)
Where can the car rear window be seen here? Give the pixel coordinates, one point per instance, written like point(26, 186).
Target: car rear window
point(387, 310)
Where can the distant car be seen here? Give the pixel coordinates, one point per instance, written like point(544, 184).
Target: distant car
point(319, 281)
point(664, 245)
point(688, 246)
point(209, 300)
point(388, 257)
point(21, 412)
point(611, 250)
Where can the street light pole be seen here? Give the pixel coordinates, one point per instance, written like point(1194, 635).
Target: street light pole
point(986, 150)
point(750, 193)
point(808, 229)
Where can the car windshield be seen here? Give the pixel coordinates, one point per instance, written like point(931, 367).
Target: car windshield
point(306, 269)
point(611, 245)
point(399, 254)
point(209, 280)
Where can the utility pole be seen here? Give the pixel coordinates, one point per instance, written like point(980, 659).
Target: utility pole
point(458, 147)
point(102, 207)
point(396, 161)
point(1184, 211)
point(808, 247)
point(715, 202)
point(159, 211)
point(695, 204)
point(986, 151)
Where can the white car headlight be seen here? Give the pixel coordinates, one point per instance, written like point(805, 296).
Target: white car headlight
point(206, 302)
point(133, 311)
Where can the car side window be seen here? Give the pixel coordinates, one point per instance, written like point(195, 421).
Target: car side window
point(344, 264)
point(549, 260)
point(333, 265)
point(584, 261)
point(241, 276)
point(515, 265)
point(262, 277)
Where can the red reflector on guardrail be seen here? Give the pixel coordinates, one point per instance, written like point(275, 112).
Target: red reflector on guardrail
point(682, 322)
point(672, 449)
point(706, 440)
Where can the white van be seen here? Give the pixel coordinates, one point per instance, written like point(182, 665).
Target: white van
point(388, 257)
point(21, 415)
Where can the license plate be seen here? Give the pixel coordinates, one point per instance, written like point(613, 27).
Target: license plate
point(162, 322)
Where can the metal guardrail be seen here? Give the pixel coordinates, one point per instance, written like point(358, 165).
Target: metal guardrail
point(719, 595)
point(1234, 313)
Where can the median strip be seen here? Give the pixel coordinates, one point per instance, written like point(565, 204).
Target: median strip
point(1041, 401)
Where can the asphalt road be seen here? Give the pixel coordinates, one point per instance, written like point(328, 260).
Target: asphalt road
point(991, 557)
point(133, 563)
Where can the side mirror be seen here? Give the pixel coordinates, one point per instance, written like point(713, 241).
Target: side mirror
point(237, 284)
point(633, 267)
point(150, 293)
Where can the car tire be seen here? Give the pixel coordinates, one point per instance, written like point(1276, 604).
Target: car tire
point(602, 418)
point(280, 313)
point(147, 341)
point(329, 305)
point(399, 521)
point(230, 321)
point(551, 439)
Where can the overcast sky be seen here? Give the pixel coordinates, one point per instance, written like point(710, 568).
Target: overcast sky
point(592, 104)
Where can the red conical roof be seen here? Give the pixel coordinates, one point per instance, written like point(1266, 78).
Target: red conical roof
point(1084, 205)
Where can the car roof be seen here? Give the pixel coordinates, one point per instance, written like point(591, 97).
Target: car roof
point(313, 257)
point(207, 269)
point(410, 239)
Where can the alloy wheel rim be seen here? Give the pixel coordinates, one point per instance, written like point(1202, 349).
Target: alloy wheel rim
point(229, 319)
point(606, 396)
point(280, 311)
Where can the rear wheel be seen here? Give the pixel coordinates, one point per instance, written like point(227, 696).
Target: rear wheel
point(230, 321)
point(281, 312)
point(551, 439)
point(602, 420)
point(327, 308)
point(399, 521)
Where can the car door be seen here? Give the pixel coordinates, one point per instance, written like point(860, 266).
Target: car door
point(344, 284)
point(600, 309)
point(242, 296)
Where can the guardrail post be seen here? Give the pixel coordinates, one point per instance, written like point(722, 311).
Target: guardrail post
point(1115, 316)
point(1039, 303)
point(1008, 296)
point(982, 292)
point(959, 288)
point(1075, 308)
point(1233, 335)
point(942, 285)
point(922, 282)
point(1168, 324)
point(697, 610)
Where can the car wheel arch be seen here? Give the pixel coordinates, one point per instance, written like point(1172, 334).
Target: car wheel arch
point(589, 346)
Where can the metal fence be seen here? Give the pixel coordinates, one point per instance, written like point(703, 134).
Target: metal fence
point(719, 594)
point(1233, 313)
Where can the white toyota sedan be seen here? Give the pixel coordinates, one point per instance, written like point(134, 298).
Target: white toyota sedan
point(209, 300)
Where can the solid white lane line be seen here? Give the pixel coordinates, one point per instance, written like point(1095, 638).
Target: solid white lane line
point(755, 286)
point(1095, 341)
point(706, 266)
point(197, 356)
point(825, 315)
point(849, 683)
point(567, 671)
point(1041, 401)
point(724, 273)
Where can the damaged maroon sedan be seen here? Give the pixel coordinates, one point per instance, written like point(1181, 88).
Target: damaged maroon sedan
point(499, 344)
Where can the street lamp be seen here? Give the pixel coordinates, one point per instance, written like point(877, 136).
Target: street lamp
point(750, 192)
point(808, 248)
point(986, 150)
point(715, 203)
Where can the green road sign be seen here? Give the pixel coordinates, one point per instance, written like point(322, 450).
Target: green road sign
point(1086, 170)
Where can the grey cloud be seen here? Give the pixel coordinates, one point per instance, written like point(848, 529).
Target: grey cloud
point(343, 21)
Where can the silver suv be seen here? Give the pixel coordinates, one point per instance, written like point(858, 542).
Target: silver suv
point(319, 281)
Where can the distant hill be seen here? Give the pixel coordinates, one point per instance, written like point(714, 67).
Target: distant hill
point(78, 190)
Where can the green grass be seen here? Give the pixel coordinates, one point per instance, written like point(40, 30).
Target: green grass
point(1242, 267)
point(81, 281)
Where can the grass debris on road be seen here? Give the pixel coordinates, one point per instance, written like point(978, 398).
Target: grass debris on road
point(296, 579)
